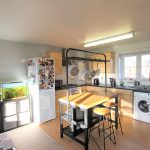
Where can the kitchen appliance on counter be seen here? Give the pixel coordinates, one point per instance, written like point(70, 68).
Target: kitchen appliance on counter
point(58, 83)
point(112, 82)
point(96, 81)
point(41, 77)
point(141, 110)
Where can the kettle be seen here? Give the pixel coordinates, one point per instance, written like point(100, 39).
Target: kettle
point(96, 81)
point(112, 82)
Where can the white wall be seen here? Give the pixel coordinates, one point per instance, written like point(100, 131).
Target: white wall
point(13, 58)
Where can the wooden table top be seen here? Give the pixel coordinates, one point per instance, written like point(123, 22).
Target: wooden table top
point(86, 100)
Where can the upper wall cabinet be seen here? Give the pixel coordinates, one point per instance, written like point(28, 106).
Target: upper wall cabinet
point(110, 57)
point(57, 56)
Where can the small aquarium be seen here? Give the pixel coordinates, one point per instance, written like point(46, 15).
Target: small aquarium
point(14, 90)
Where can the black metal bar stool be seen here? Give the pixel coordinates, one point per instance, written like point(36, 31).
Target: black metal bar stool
point(105, 126)
point(112, 106)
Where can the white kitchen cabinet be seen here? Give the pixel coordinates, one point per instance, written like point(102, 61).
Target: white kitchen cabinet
point(24, 118)
point(10, 122)
point(9, 109)
point(24, 105)
point(16, 113)
point(46, 105)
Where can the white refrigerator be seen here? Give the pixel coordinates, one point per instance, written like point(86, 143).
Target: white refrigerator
point(41, 77)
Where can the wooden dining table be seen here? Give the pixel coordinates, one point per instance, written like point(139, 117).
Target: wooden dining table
point(84, 102)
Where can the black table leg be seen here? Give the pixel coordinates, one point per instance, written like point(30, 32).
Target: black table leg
point(87, 122)
point(86, 139)
point(116, 113)
point(74, 117)
point(61, 131)
point(61, 121)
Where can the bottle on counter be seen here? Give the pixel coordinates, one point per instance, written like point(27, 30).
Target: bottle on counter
point(112, 82)
point(121, 83)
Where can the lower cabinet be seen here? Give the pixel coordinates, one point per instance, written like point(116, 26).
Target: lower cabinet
point(125, 98)
point(10, 122)
point(112, 90)
point(16, 113)
point(95, 89)
point(84, 88)
point(9, 108)
point(24, 118)
point(125, 102)
point(59, 94)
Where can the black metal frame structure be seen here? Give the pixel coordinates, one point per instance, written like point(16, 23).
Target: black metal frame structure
point(81, 125)
point(84, 59)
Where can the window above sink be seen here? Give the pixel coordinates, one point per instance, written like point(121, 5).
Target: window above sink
point(134, 66)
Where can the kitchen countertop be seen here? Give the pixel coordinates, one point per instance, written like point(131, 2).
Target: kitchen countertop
point(145, 89)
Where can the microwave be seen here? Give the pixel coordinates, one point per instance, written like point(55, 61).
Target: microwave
point(58, 83)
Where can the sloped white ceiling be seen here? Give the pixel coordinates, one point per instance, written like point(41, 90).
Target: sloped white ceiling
point(70, 23)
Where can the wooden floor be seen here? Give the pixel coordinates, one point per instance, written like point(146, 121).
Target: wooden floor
point(136, 136)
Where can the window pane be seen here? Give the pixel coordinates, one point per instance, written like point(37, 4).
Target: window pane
point(145, 66)
point(130, 67)
point(130, 61)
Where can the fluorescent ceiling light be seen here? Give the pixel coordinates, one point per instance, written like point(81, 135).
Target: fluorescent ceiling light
point(110, 39)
